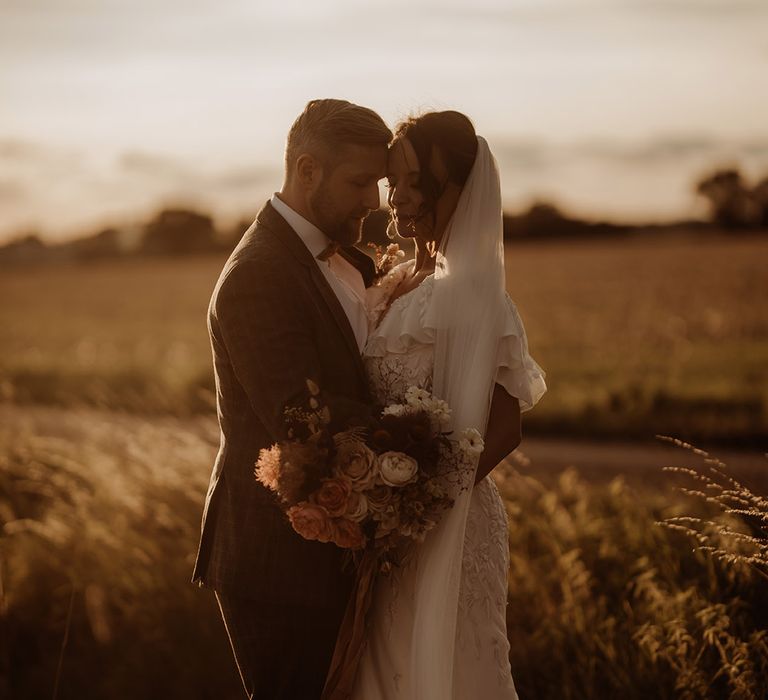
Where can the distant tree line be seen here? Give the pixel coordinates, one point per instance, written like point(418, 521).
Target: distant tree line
point(172, 231)
point(734, 205)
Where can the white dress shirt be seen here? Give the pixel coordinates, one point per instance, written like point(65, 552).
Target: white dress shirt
point(343, 277)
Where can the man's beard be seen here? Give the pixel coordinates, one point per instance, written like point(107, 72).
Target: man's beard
point(345, 230)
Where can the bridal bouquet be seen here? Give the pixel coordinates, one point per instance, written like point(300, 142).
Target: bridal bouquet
point(369, 487)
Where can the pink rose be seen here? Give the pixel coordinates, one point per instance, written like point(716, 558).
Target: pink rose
point(357, 507)
point(348, 534)
point(388, 520)
point(356, 463)
point(333, 496)
point(379, 497)
point(311, 521)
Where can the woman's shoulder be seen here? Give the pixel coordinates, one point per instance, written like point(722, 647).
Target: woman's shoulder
point(398, 324)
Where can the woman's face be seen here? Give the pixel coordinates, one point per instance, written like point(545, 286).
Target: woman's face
point(406, 199)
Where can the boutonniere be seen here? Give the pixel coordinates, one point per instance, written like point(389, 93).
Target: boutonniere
point(385, 258)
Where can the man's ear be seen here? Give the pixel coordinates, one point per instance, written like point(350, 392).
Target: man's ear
point(308, 170)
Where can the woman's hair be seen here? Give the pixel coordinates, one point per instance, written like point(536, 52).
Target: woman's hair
point(326, 126)
point(450, 133)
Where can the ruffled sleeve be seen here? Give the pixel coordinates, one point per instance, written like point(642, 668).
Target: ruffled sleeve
point(397, 327)
point(402, 328)
point(516, 370)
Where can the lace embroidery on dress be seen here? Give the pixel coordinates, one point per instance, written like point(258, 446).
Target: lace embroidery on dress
point(400, 354)
point(485, 559)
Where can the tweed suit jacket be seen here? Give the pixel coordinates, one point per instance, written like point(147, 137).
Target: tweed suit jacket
point(273, 321)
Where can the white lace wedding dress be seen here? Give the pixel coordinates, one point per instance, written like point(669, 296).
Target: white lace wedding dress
point(399, 354)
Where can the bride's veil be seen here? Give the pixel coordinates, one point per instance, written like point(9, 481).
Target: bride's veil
point(466, 312)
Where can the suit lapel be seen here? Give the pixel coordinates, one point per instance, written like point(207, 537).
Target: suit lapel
point(280, 228)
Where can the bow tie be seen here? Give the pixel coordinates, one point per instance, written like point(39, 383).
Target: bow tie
point(331, 249)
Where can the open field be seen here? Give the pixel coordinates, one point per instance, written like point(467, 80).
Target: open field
point(101, 513)
point(107, 437)
point(648, 336)
point(638, 336)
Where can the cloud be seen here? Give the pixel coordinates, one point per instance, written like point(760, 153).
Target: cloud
point(538, 154)
point(507, 11)
point(61, 193)
point(25, 152)
point(702, 7)
point(239, 178)
point(177, 171)
point(12, 190)
point(526, 154)
point(13, 149)
point(633, 181)
point(151, 164)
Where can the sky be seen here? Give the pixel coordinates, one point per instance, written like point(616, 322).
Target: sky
point(110, 109)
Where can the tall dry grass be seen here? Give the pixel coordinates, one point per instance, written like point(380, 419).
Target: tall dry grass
point(103, 510)
point(604, 603)
point(736, 531)
point(101, 513)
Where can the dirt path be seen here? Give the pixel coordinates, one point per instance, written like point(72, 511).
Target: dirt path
point(639, 463)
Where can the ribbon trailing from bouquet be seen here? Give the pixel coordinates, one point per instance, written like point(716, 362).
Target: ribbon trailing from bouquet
point(350, 642)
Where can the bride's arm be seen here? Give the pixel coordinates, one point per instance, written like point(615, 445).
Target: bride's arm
point(503, 434)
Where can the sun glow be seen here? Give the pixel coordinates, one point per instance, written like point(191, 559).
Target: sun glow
point(111, 109)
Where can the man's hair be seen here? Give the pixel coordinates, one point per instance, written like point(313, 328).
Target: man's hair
point(326, 126)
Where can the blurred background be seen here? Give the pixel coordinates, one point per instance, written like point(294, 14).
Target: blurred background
point(138, 141)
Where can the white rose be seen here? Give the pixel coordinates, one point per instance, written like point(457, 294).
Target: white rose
point(440, 412)
point(434, 489)
point(396, 409)
point(397, 469)
point(471, 442)
point(418, 398)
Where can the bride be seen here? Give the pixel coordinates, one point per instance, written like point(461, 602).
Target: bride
point(443, 322)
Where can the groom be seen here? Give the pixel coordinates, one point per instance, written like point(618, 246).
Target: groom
point(288, 306)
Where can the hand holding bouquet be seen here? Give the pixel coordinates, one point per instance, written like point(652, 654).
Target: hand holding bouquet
point(369, 487)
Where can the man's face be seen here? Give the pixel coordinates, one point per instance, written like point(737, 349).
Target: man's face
point(349, 192)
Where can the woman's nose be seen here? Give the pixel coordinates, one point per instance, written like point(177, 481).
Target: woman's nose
point(398, 196)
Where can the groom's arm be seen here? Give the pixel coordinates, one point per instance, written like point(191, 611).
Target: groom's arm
point(267, 335)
